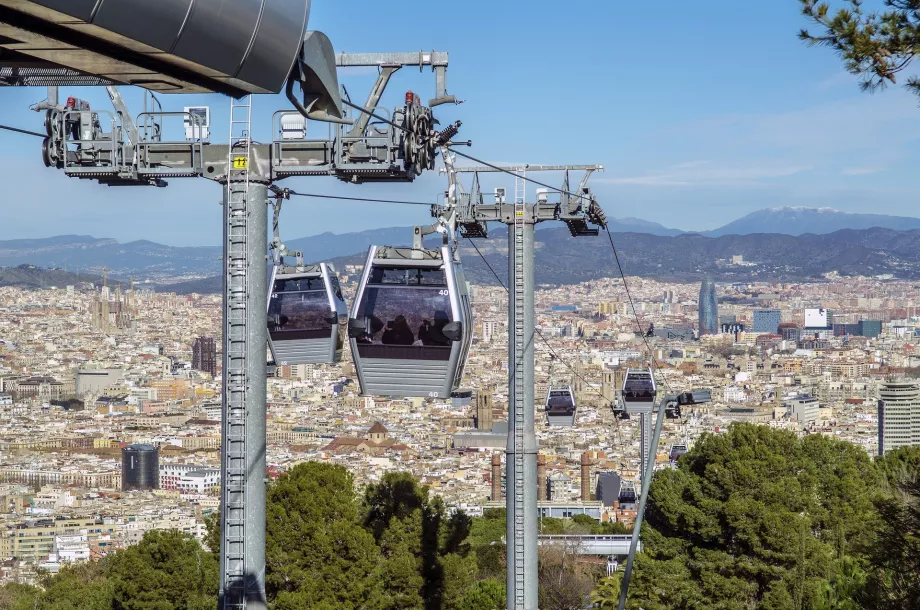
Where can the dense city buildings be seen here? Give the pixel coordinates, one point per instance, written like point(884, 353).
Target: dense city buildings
point(73, 397)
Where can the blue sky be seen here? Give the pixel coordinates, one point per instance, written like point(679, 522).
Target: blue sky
point(700, 112)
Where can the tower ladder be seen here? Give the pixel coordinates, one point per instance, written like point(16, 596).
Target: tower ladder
point(520, 209)
point(234, 575)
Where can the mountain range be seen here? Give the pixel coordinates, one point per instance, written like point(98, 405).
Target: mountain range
point(774, 239)
point(799, 221)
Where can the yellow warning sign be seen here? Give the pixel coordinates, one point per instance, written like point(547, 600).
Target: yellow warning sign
point(240, 162)
point(518, 213)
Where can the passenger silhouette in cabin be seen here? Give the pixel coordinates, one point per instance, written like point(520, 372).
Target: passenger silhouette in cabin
point(398, 332)
point(433, 334)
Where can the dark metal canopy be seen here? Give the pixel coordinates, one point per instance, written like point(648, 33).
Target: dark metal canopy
point(170, 46)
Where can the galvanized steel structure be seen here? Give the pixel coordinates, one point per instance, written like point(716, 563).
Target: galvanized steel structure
point(576, 210)
point(235, 47)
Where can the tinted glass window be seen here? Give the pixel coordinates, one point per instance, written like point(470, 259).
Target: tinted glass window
point(336, 288)
point(638, 388)
point(296, 310)
point(407, 277)
point(405, 316)
point(299, 284)
point(560, 400)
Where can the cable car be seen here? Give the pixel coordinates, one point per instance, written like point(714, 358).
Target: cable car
point(627, 495)
point(675, 452)
point(306, 312)
point(639, 393)
point(560, 406)
point(411, 322)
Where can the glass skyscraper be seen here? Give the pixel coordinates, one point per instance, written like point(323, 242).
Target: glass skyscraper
point(709, 309)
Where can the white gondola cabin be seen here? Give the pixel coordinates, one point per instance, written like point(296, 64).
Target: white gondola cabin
point(306, 313)
point(560, 406)
point(639, 393)
point(411, 322)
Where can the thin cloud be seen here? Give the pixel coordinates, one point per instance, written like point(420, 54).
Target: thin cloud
point(701, 173)
point(860, 171)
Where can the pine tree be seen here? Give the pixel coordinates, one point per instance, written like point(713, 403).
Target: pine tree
point(875, 45)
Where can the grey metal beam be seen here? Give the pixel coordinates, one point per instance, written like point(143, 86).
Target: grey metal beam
point(415, 58)
point(121, 109)
point(643, 499)
point(529, 168)
point(372, 99)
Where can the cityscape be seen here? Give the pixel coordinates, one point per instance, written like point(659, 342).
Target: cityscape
point(523, 397)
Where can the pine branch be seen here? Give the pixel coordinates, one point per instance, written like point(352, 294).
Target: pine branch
point(876, 46)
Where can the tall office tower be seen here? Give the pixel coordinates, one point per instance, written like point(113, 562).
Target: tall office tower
point(204, 355)
point(898, 415)
point(709, 309)
point(766, 320)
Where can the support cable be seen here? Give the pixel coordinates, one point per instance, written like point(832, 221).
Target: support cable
point(368, 199)
point(25, 131)
point(632, 305)
point(556, 189)
point(549, 346)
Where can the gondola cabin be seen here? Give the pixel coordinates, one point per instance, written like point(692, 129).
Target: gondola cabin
point(676, 452)
point(560, 406)
point(306, 314)
point(627, 496)
point(411, 323)
point(639, 393)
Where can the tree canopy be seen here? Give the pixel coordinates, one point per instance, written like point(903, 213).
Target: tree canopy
point(762, 518)
point(754, 517)
point(875, 45)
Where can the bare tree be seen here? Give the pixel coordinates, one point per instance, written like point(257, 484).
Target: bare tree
point(565, 582)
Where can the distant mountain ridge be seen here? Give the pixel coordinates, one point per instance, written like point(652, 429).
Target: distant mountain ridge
point(802, 220)
point(143, 259)
point(170, 265)
point(563, 260)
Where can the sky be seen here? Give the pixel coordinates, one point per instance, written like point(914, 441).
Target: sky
point(700, 113)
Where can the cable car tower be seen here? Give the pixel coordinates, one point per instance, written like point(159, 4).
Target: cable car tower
point(472, 214)
point(115, 149)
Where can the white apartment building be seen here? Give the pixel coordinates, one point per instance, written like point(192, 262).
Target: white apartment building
point(803, 408)
point(898, 415)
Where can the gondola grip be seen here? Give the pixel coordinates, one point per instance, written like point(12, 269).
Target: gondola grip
point(453, 331)
point(356, 328)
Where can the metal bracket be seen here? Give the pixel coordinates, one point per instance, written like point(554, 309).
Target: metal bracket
point(279, 250)
point(473, 215)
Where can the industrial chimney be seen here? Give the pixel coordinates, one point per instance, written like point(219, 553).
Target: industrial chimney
point(541, 477)
point(585, 477)
point(496, 477)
